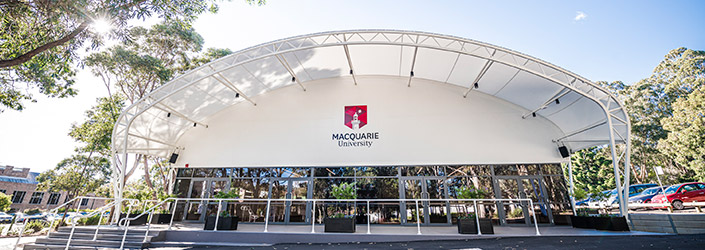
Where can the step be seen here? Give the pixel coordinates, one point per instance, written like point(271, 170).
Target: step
point(91, 243)
point(32, 246)
point(105, 230)
point(101, 236)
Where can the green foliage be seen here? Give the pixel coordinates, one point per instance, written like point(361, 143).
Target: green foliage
point(78, 174)
point(224, 213)
point(472, 193)
point(468, 215)
point(36, 225)
point(233, 193)
point(5, 202)
point(344, 191)
point(93, 220)
point(516, 213)
point(41, 39)
point(32, 211)
point(579, 194)
point(592, 170)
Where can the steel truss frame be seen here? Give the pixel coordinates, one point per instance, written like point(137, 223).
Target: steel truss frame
point(492, 54)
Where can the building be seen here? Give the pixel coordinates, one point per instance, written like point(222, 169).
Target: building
point(402, 114)
point(22, 185)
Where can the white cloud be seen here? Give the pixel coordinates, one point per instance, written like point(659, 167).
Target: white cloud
point(580, 16)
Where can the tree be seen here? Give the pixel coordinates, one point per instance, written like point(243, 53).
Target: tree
point(41, 39)
point(78, 175)
point(686, 141)
point(592, 170)
point(5, 202)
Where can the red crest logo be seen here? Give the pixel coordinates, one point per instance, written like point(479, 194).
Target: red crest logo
point(356, 116)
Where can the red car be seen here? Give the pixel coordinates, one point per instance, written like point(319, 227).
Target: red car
point(684, 192)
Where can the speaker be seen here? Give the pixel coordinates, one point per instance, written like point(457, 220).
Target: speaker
point(564, 151)
point(173, 158)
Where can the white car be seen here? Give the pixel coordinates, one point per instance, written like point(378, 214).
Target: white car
point(5, 218)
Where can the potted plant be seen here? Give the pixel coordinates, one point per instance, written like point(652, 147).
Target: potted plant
point(582, 219)
point(134, 213)
point(610, 223)
point(339, 221)
point(467, 222)
point(225, 220)
point(161, 216)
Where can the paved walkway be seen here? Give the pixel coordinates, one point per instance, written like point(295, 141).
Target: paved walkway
point(549, 243)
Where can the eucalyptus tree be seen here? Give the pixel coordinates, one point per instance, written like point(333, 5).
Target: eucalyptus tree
point(41, 40)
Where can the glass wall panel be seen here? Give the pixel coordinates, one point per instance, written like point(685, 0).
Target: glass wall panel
point(203, 172)
point(251, 172)
point(530, 169)
point(476, 182)
point(551, 169)
point(184, 172)
point(481, 170)
point(291, 172)
point(423, 171)
point(181, 187)
point(506, 170)
point(334, 171)
point(377, 171)
point(220, 172)
point(557, 191)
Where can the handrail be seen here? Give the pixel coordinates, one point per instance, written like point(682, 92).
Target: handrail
point(100, 211)
point(149, 212)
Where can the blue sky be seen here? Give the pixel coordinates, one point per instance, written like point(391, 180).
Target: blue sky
point(616, 40)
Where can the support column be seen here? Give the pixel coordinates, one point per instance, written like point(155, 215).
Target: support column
point(615, 164)
point(572, 187)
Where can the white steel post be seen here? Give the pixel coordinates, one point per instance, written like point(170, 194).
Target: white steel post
point(477, 217)
point(266, 216)
point(313, 217)
point(173, 214)
point(418, 222)
point(572, 186)
point(615, 164)
point(368, 217)
point(217, 215)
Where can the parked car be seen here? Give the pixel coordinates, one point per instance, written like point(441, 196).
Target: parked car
point(679, 193)
point(595, 201)
point(633, 191)
point(21, 217)
point(646, 195)
point(5, 218)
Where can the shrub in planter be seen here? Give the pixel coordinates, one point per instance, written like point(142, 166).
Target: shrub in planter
point(583, 219)
point(225, 221)
point(139, 221)
point(336, 224)
point(341, 221)
point(611, 223)
point(467, 224)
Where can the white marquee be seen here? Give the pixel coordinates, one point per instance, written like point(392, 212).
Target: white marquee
point(569, 109)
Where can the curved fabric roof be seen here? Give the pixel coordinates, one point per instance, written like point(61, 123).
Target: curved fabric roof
point(575, 105)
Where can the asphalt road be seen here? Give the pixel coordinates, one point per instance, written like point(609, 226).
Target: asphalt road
point(547, 242)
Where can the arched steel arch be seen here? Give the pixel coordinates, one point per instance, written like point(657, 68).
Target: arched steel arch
point(609, 104)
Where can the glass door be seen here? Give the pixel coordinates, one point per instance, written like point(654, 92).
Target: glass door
point(514, 212)
point(290, 211)
point(195, 209)
point(423, 187)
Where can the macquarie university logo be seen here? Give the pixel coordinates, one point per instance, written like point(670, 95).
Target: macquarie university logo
point(356, 116)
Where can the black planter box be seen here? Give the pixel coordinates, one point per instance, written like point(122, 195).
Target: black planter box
point(561, 219)
point(611, 223)
point(160, 219)
point(224, 223)
point(469, 226)
point(339, 225)
point(139, 221)
point(582, 222)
